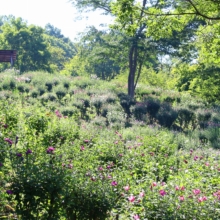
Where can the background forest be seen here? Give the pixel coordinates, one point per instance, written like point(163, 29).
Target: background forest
point(122, 123)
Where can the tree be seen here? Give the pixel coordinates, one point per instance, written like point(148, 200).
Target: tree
point(32, 53)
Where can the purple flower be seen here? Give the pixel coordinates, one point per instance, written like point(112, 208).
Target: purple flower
point(114, 183)
point(86, 141)
point(29, 151)
point(9, 192)
point(82, 148)
point(5, 126)
point(19, 154)
point(9, 141)
point(162, 192)
point(50, 150)
point(1, 164)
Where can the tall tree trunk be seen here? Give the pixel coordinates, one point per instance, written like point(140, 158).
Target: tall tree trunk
point(132, 69)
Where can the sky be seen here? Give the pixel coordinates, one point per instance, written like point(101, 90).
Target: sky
point(60, 13)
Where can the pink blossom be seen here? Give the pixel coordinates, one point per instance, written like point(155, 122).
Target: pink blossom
point(162, 192)
point(177, 188)
point(136, 217)
point(131, 198)
point(182, 188)
point(82, 148)
point(154, 184)
point(196, 158)
point(141, 194)
point(114, 183)
point(163, 184)
point(181, 198)
point(201, 199)
point(126, 188)
point(196, 191)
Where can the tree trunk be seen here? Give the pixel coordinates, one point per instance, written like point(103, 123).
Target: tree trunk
point(132, 69)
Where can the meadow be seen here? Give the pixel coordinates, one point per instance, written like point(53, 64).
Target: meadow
point(80, 148)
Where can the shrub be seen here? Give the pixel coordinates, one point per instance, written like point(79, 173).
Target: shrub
point(166, 116)
point(9, 84)
point(23, 88)
point(186, 118)
point(60, 92)
point(49, 85)
point(126, 102)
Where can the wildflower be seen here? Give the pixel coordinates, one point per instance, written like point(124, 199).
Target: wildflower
point(86, 141)
point(207, 164)
point(196, 191)
point(131, 198)
point(196, 158)
point(163, 183)
point(162, 192)
point(19, 154)
point(177, 188)
point(154, 184)
point(100, 168)
point(9, 141)
point(58, 114)
point(181, 198)
point(217, 194)
point(29, 151)
point(136, 217)
point(1, 164)
point(70, 166)
point(182, 188)
point(9, 192)
point(141, 194)
point(50, 150)
point(82, 148)
point(126, 188)
point(201, 199)
point(114, 183)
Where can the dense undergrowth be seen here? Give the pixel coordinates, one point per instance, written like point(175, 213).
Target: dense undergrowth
point(80, 148)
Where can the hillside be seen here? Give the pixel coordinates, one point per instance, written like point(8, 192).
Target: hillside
point(80, 148)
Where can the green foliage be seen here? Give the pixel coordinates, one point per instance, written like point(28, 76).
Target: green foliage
point(55, 164)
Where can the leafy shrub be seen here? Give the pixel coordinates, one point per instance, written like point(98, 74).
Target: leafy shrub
point(166, 116)
point(60, 92)
point(69, 111)
point(126, 102)
point(23, 88)
point(186, 118)
point(9, 83)
point(49, 85)
point(48, 97)
point(41, 89)
point(34, 93)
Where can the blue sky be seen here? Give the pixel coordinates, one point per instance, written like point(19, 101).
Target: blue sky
point(59, 13)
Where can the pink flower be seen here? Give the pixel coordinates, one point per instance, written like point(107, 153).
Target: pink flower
point(136, 217)
point(126, 188)
point(162, 192)
point(50, 150)
point(196, 191)
point(182, 188)
point(154, 184)
point(181, 198)
point(163, 183)
point(201, 199)
point(177, 188)
point(114, 183)
point(9, 141)
point(131, 198)
point(100, 168)
point(196, 158)
point(82, 148)
point(141, 194)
